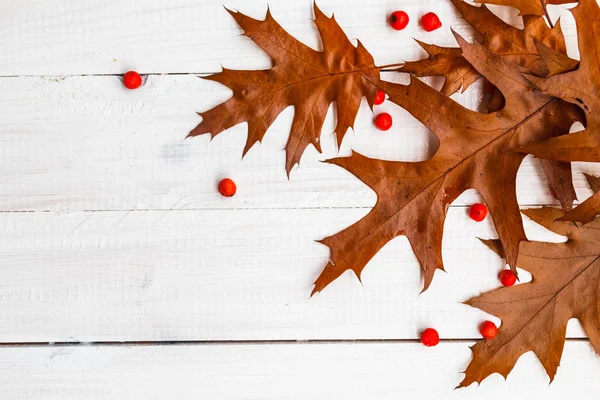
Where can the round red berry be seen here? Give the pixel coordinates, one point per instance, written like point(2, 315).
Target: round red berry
point(488, 330)
point(430, 337)
point(227, 187)
point(379, 98)
point(399, 20)
point(383, 121)
point(132, 80)
point(507, 278)
point(430, 22)
point(478, 212)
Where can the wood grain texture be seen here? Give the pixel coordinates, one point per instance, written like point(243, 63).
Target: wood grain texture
point(68, 37)
point(235, 275)
point(202, 268)
point(86, 143)
point(380, 371)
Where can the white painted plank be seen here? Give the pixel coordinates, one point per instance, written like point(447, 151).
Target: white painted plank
point(284, 371)
point(227, 275)
point(109, 37)
point(86, 143)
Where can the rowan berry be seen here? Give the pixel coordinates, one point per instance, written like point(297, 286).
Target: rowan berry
point(399, 20)
point(132, 80)
point(383, 121)
point(507, 278)
point(430, 337)
point(478, 212)
point(488, 330)
point(379, 98)
point(227, 187)
point(430, 22)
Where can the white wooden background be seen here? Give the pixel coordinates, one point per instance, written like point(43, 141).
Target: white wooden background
point(124, 275)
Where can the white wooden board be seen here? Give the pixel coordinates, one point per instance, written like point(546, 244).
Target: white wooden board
point(234, 275)
point(69, 37)
point(111, 229)
point(383, 371)
point(87, 143)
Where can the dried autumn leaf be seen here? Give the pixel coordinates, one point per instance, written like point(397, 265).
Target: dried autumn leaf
point(581, 87)
point(307, 79)
point(594, 182)
point(587, 211)
point(560, 180)
point(447, 62)
point(474, 153)
point(556, 61)
point(566, 278)
point(519, 46)
point(528, 7)
point(500, 37)
point(513, 44)
point(559, 173)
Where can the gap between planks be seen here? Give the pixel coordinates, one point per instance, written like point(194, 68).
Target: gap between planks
point(243, 209)
point(64, 76)
point(240, 342)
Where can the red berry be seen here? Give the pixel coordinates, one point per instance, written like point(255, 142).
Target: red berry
point(488, 330)
point(379, 98)
point(399, 20)
point(430, 337)
point(430, 22)
point(508, 278)
point(227, 187)
point(383, 121)
point(132, 80)
point(478, 212)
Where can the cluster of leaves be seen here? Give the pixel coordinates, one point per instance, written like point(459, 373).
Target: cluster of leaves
point(539, 93)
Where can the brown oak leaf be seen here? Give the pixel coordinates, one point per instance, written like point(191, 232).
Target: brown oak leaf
point(560, 179)
point(594, 182)
point(528, 7)
point(581, 87)
point(510, 42)
point(447, 62)
point(307, 79)
point(587, 211)
point(556, 61)
point(518, 45)
point(565, 285)
point(474, 152)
